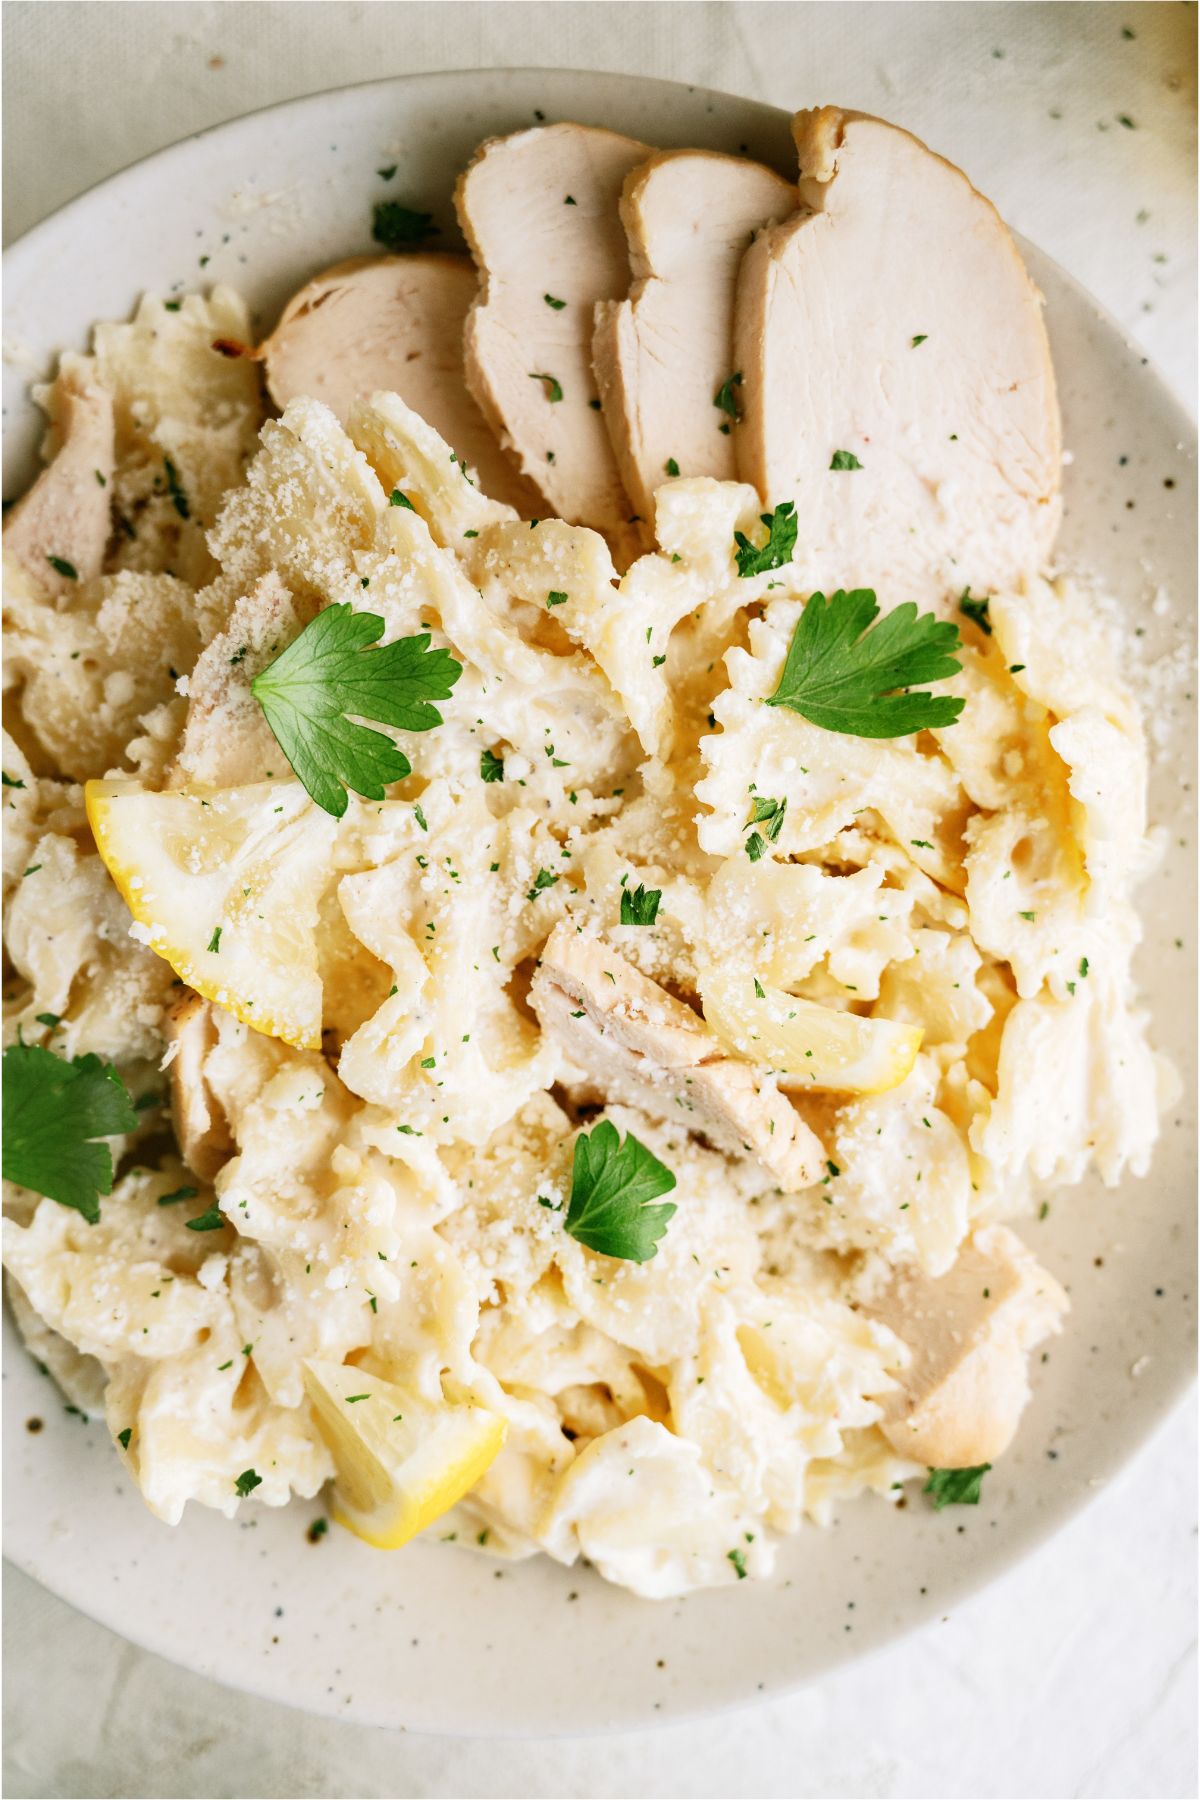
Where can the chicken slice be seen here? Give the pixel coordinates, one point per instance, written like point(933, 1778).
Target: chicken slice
point(59, 530)
point(892, 321)
point(633, 1042)
point(970, 1332)
point(662, 356)
point(393, 323)
point(540, 213)
point(201, 1128)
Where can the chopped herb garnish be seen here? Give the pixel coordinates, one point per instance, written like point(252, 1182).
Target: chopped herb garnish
point(641, 906)
point(329, 672)
point(726, 400)
point(62, 567)
point(396, 498)
point(843, 670)
point(756, 846)
point(54, 1113)
point(613, 1182)
point(738, 1559)
point(214, 942)
point(395, 226)
point(181, 1193)
point(671, 466)
point(920, 338)
point(123, 1437)
point(553, 388)
point(845, 459)
point(556, 597)
point(956, 1487)
point(491, 766)
point(552, 300)
point(542, 880)
point(756, 559)
point(212, 1220)
point(246, 1483)
point(975, 610)
point(774, 811)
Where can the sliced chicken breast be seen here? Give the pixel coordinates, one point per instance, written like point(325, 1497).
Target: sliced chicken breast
point(897, 382)
point(540, 213)
point(201, 1128)
point(59, 530)
point(664, 355)
point(631, 1041)
point(970, 1332)
point(393, 323)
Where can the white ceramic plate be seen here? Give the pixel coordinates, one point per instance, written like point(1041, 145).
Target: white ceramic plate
point(440, 1639)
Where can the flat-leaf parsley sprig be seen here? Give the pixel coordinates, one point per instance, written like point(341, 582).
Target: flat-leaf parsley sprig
point(613, 1182)
point(329, 671)
point(54, 1113)
point(844, 673)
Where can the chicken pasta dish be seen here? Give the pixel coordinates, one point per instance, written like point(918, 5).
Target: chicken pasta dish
point(561, 830)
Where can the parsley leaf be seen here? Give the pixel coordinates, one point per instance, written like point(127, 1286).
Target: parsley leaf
point(212, 1220)
point(956, 1487)
point(395, 225)
point(553, 385)
point(773, 810)
point(641, 906)
point(62, 567)
point(326, 673)
point(542, 880)
point(491, 766)
point(613, 1182)
point(755, 559)
point(738, 1559)
point(844, 459)
point(246, 1483)
point(843, 677)
point(54, 1110)
point(182, 1193)
point(553, 301)
point(976, 611)
point(725, 398)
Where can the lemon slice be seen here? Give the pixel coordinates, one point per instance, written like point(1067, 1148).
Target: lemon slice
point(401, 1460)
point(226, 886)
point(807, 1046)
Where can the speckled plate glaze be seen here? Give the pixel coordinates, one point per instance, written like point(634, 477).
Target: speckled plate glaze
point(440, 1639)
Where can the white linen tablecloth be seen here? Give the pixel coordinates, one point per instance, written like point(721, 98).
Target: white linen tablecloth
point(1075, 1674)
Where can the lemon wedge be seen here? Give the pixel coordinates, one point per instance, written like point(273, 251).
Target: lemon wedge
point(226, 886)
point(402, 1461)
point(807, 1046)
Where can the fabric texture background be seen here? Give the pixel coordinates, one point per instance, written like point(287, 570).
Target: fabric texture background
point(1075, 1674)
